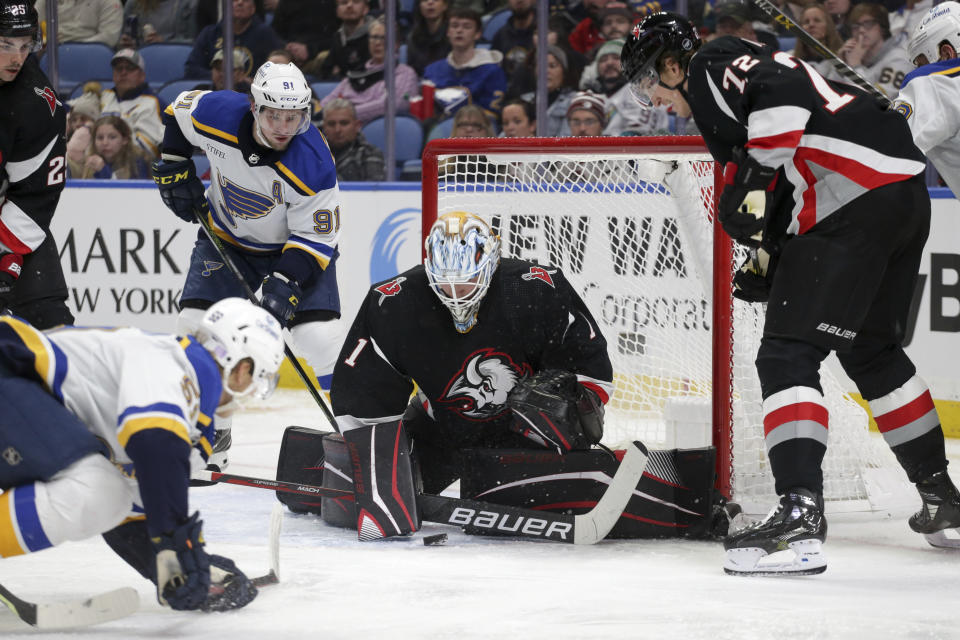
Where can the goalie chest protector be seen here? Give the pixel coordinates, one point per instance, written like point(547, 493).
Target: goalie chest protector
point(674, 498)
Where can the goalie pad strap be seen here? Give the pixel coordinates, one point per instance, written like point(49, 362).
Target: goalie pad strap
point(383, 481)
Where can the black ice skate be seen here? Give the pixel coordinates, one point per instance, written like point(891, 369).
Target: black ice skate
point(939, 517)
point(787, 542)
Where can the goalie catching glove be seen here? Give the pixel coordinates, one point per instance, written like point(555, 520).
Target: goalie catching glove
point(554, 410)
point(180, 188)
point(741, 212)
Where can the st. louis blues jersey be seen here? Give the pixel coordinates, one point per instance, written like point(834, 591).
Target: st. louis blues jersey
point(127, 386)
point(261, 200)
point(530, 319)
point(930, 101)
point(832, 141)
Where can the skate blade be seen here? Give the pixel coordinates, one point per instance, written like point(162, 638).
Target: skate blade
point(801, 558)
point(945, 539)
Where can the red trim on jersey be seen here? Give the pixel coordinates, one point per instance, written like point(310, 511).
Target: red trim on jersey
point(901, 416)
point(794, 413)
point(396, 494)
point(10, 239)
point(864, 175)
point(785, 140)
point(597, 389)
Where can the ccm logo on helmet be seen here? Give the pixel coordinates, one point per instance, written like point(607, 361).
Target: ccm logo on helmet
point(502, 522)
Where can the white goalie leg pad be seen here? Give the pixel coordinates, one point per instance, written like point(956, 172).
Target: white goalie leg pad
point(189, 321)
point(800, 558)
point(85, 499)
point(319, 343)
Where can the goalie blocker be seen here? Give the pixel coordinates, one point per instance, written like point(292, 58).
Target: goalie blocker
point(675, 497)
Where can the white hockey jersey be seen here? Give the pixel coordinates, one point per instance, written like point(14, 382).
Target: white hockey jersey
point(886, 72)
point(285, 201)
point(121, 381)
point(930, 101)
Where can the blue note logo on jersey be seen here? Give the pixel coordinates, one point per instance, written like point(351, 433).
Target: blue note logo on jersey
point(401, 228)
point(209, 266)
point(243, 203)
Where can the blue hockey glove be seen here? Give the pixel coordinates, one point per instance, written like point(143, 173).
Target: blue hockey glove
point(741, 175)
point(183, 567)
point(281, 295)
point(229, 588)
point(180, 188)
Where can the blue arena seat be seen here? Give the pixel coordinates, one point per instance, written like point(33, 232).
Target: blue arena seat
point(165, 62)
point(494, 23)
point(169, 92)
point(442, 129)
point(787, 43)
point(78, 62)
point(408, 134)
point(323, 89)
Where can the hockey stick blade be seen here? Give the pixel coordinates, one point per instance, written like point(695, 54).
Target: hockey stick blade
point(587, 528)
point(68, 614)
point(842, 67)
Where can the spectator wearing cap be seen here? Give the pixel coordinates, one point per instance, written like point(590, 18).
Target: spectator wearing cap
point(249, 32)
point(308, 26)
point(559, 89)
point(515, 38)
point(473, 71)
point(616, 20)
point(242, 68)
point(357, 160)
point(132, 100)
point(86, 21)
point(604, 76)
point(367, 90)
point(735, 18)
point(84, 109)
point(587, 114)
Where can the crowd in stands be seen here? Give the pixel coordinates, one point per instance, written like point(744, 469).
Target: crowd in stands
point(478, 58)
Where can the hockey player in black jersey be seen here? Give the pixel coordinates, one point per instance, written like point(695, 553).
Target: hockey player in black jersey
point(511, 320)
point(32, 171)
point(845, 221)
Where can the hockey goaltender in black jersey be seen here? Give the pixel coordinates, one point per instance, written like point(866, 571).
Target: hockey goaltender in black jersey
point(32, 172)
point(510, 391)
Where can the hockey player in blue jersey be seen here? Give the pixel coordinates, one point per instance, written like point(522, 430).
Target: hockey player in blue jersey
point(101, 428)
point(274, 202)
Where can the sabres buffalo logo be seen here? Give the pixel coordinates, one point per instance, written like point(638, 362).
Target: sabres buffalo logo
point(479, 389)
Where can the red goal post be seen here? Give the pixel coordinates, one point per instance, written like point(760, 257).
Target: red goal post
point(631, 222)
point(722, 411)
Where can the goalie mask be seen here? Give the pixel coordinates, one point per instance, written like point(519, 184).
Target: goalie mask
point(234, 329)
point(657, 36)
point(940, 24)
point(462, 256)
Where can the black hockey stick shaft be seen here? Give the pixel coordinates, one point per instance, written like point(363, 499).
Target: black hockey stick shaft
point(273, 485)
point(218, 244)
point(842, 67)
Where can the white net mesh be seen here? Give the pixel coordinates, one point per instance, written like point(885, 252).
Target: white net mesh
point(633, 234)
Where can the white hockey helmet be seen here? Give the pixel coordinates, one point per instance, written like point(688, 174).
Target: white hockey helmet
point(462, 256)
point(234, 329)
point(282, 86)
point(940, 24)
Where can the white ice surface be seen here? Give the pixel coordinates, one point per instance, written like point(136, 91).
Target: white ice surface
point(882, 581)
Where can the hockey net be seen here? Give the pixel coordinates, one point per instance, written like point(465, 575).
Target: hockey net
point(630, 223)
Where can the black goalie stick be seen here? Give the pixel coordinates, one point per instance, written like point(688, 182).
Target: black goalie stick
point(587, 528)
point(842, 67)
point(67, 614)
